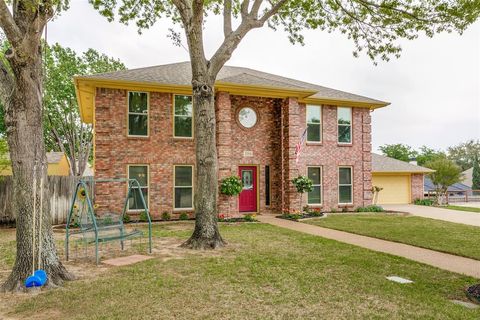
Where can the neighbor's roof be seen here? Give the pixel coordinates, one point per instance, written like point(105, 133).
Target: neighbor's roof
point(236, 80)
point(468, 177)
point(429, 186)
point(389, 165)
point(52, 157)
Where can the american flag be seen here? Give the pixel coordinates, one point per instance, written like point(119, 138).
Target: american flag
point(298, 147)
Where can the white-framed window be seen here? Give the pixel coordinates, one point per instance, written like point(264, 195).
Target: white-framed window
point(344, 122)
point(314, 123)
point(140, 173)
point(183, 187)
point(315, 174)
point(345, 185)
point(137, 114)
point(182, 116)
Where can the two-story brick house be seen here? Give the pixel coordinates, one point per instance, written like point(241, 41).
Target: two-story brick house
point(143, 124)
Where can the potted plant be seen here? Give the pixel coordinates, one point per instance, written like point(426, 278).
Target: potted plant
point(230, 187)
point(302, 184)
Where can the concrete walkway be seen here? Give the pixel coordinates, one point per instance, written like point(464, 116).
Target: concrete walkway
point(437, 259)
point(470, 218)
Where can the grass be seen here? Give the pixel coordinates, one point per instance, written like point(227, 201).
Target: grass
point(462, 208)
point(264, 273)
point(455, 238)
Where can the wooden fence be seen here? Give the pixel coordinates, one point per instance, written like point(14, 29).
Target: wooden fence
point(60, 194)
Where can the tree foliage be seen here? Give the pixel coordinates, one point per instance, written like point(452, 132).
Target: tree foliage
point(446, 173)
point(426, 155)
point(231, 186)
point(464, 154)
point(374, 26)
point(476, 175)
point(4, 158)
point(399, 151)
point(64, 130)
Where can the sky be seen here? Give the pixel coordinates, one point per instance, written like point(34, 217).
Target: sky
point(433, 88)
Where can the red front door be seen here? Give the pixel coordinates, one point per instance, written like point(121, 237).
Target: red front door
point(248, 196)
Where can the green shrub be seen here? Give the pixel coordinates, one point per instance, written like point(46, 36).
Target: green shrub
point(333, 210)
point(249, 218)
point(166, 215)
point(183, 216)
point(371, 208)
point(423, 202)
point(231, 186)
point(143, 216)
point(292, 216)
point(126, 218)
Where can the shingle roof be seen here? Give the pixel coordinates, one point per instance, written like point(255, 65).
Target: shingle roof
point(52, 157)
point(385, 164)
point(429, 186)
point(181, 74)
point(468, 177)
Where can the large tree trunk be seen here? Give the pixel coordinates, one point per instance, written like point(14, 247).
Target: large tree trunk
point(24, 124)
point(206, 234)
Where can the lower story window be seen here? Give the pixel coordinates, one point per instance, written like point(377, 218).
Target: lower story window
point(315, 174)
point(140, 173)
point(183, 187)
point(345, 187)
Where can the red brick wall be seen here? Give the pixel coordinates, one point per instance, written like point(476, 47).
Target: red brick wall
point(417, 186)
point(263, 143)
point(330, 155)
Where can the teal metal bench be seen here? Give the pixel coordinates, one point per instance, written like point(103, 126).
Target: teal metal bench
point(109, 226)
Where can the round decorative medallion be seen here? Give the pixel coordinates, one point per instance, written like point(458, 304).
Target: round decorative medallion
point(247, 117)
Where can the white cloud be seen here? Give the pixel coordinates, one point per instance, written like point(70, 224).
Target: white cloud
point(434, 87)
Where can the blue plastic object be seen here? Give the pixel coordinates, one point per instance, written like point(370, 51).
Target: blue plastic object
point(38, 279)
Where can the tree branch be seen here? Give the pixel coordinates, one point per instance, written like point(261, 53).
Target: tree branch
point(227, 17)
point(244, 9)
point(7, 83)
point(8, 25)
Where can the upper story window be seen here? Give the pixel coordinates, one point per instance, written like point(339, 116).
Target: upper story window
point(344, 121)
point(314, 123)
point(183, 117)
point(247, 117)
point(140, 173)
point(138, 114)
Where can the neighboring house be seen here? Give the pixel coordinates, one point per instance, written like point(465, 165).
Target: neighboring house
point(468, 177)
point(402, 182)
point(143, 123)
point(58, 165)
point(454, 189)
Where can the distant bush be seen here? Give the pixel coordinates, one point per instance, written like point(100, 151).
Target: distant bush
point(249, 218)
point(183, 216)
point(166, 215)
point(143, 216)
point(371, 208)
point(423, 202)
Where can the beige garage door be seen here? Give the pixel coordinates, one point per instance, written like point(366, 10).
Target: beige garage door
point(396, 188)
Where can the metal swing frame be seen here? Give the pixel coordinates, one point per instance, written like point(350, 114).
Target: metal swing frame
point(99, 226)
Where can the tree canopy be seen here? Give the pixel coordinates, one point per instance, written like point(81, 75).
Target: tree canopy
point(476, 175)
point(64, 131)
point(399, 151)
point(446, 173)
point(464, 154)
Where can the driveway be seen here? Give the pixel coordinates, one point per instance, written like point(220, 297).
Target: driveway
point(470, 218)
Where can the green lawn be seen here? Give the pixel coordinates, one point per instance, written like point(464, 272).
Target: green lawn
point(461, 208)
point(433, 234)
point(265, 273)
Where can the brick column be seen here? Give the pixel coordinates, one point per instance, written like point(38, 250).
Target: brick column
point(290, 136)
point(367, 157)
point(223, 114)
